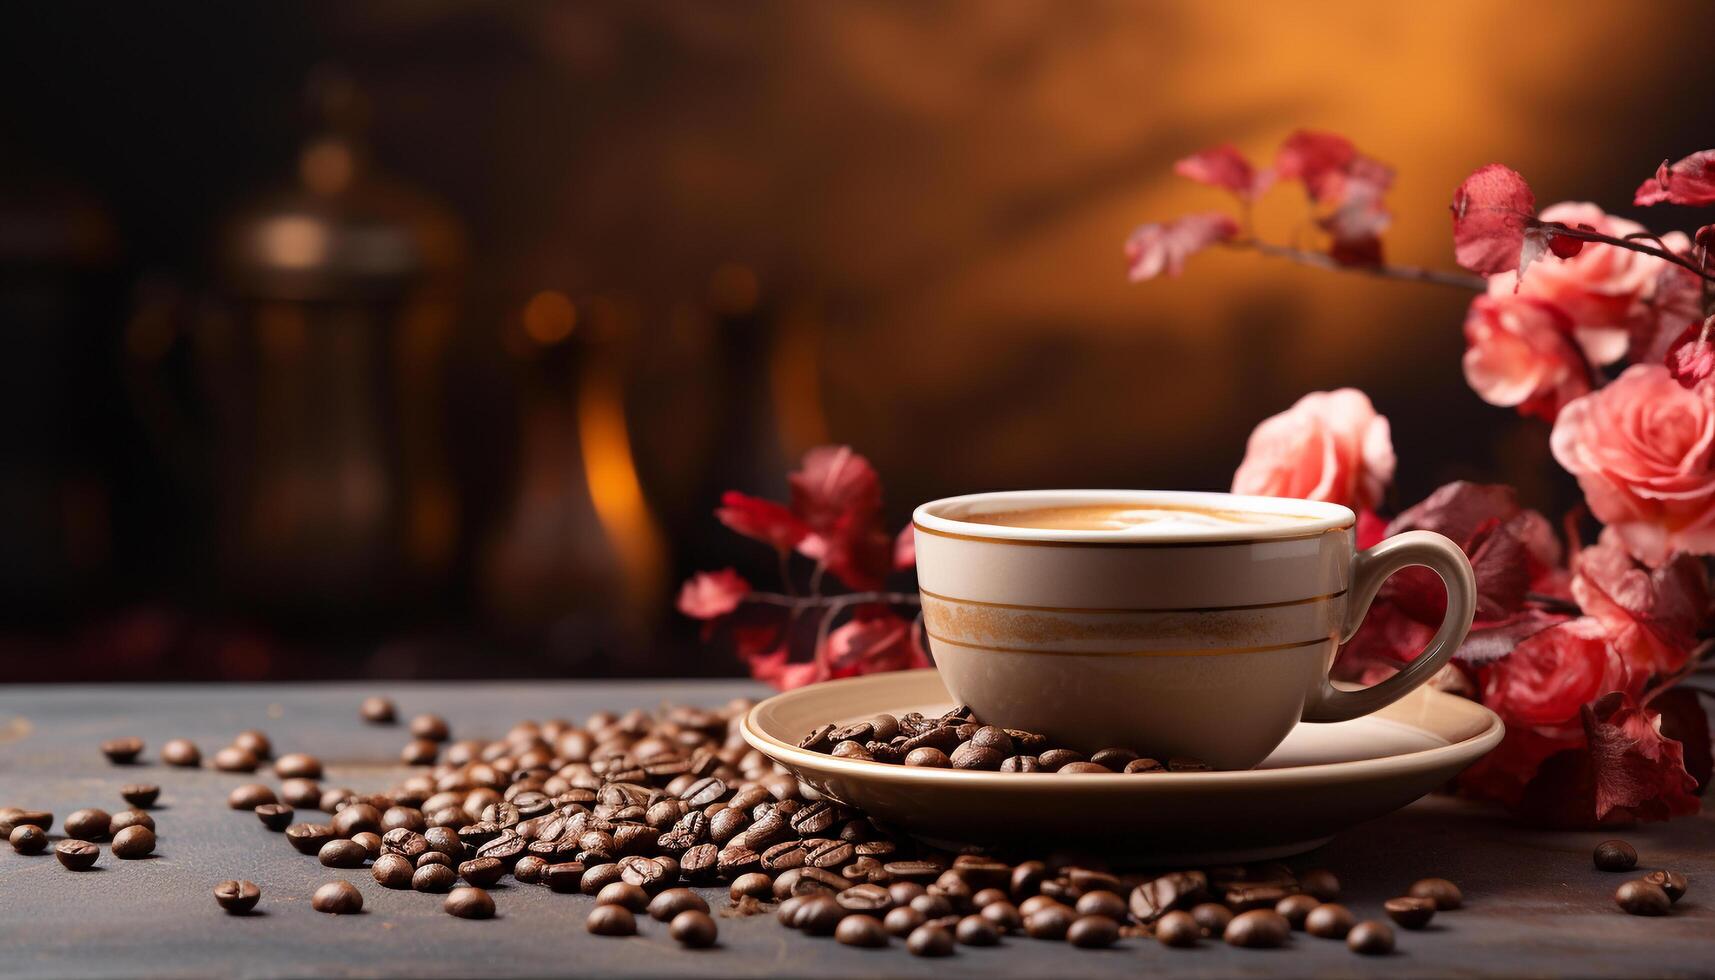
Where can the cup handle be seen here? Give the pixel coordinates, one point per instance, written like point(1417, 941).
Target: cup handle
point(1369, 570)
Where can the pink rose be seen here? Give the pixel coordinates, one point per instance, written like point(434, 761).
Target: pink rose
point(1642, 449)
point(1521, 355)
point(1603, 289)
point(1330, 445)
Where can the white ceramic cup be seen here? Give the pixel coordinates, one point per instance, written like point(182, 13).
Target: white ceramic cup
point(1208, 643)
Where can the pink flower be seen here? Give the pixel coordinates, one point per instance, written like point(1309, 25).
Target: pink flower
point(1643, 450)
point(710, 595)
point(1604, 290)
point(1653, 615)
point(1521, 355)
point(1330, 445)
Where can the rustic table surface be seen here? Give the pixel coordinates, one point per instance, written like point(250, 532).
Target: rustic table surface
point(1534, 904)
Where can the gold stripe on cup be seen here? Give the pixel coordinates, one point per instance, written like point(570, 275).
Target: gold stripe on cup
point(1220, 543)
point(1195, 652)
point(1119, 610)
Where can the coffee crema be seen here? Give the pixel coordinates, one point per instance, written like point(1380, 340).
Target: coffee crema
point(1129, 516)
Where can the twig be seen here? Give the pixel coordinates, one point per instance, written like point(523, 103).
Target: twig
point(1553, 603)
point(834, 602)
point(1633, 244)
point(1408, 273)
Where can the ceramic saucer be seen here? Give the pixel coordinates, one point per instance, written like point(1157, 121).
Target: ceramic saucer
point(1321, 780)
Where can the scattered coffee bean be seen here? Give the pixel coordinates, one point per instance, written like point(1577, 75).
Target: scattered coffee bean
point(1257, 929)
point(90, 824)
point(1049, 922)
point(337, 898)
point(624, 893)
point(237, 897)
point(861, 930)
point(308, 838)
point(29, 839)
point(235, 759)
point(820, 915)
point(181, 752)
point(1442, 892)
point(1093, 932)
point(133, 842)
point(298, 765)
point(275, 816)
point(469, 903)
point(482, 872)
point(1179, 929)
point(81, 855)
point(431, 727)
point(1370, 938)
point(902, 921)
point(129, 818)
point(12, 818)
point(305, 794)
point(377, 710)
point(392, 871)
point(1101, 902)
point(667, 905)
point(433, 878)
point(343, 854)
point(356, 818)
point(122, 751)
point(1211, 917)
point(1615, 855)
point(141, 795)
point(929, 940)
point(419, 752)
point(1329, 920)
point(975, 930)
point(1410, 912)
point(1639, 897)
point(254, 742)
point(1004, 915)
point(1320, 884)
point(693, 928)
point(1671, 882)
point(1294, 909)
point(250, 796)
point(611, 920)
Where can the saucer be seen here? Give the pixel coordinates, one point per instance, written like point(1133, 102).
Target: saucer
point(1322, 779)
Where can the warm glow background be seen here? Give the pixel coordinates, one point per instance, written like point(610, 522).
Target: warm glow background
point(700, 237)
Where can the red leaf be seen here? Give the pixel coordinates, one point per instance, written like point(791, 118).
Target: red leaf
point(1388, 639)
point(1691, 358)
point(1491, 211)
point(1690, 181)
point(1359, 217)
point(1551, 675)
point(1653, 615)
point(763, 520)
point(905, 549)
point(833, 483)
point(1684, 721)
point(709, 595)
point(856, 549)
point(874, 640)
point(1155, 249)
point(1226, 168)
point(1320, 160)
point(1512, 549)
point(1636, 769)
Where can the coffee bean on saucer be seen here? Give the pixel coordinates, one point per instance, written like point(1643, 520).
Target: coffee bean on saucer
point(611, 920)
point(181, 752)
point(1639, 897)
point(929, 940)
point(1020, 763)
point(342, 854)
point(275, 816)
point(693, 929)
point(1329, 920)
point(469, 903)
point(377, 710)
point(133, 842)
point(141, 795)
point(337, 898)
point(1294, 908)
point(237, 897)
point(1320, 884)
point(81, 855)
point(1115, 759)
point(122, 751)
point(1211, 917)
point(1409, 912)
point(861, 930)
point(1257, 929)
point(1144, 766)
point(1073, 768)
point(1442, 892)
point(1370, 938)
point(432, 727)
point(1187, 765)
point(1671, 882)
point(1093, 932)
point(852, 750)
point(1053, 759)
point(250, 796)
point(1178, 929)
point(298, 765)
point(1615, 855)
point(29, 839)
point(129, 818)
point(927, 757)
point(90, 823)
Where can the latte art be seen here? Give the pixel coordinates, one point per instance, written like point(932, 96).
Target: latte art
point(1127, 517)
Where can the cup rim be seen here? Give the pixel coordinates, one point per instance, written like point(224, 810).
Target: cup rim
point(1320, 517)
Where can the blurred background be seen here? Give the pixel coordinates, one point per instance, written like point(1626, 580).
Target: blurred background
point(419, 337)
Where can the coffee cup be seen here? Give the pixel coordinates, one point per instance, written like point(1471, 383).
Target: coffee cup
point(1175, 624)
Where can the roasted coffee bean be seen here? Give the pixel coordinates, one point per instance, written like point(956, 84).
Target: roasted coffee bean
point(646, 873)
point(337, 898)
point(599, 876)
point(1145, 766)
point(820, 915)
point(1294, 909)
point(506, 848)
point(1004, 915)
point(431, 727)
point(1370, 938)
point(250, 796)
point(1244, 897)
point(1093, 932)
point(275, 816)
point(342, 854)
point(482, 872)
point(81, 855)
point(392, 871)
point(446, 840)
point(356, 818)
point(1179, 930)
point(700, 864)
point(1053, 759)
point(181, 752)
point(944, 739)
point(419, 752)
point(235, 759)
point(1074, 768)
point(370, 842)
point(1329, 920)
point(237, 897)
point(1410, 913)
point(852, 750)
point(141, 795)
point(1615, 855)
point(1115, 759)
point(755, 885)
point(377, 710)
point(861, 731)
point(1442, 892)
point(1021, 763)
point(625, 893)
point(301, 793)
point(902, 921)
point(1101, 902)
point(1035, 903)
point(974, 930)
point(129, 818)
point(29, 839)
point(122, 751)
point(90, 823)
point(255, 742)
point(1212, 918)
point(1257, 929)
point(567, 877)
point(865, 898)
point(929, 940)
point(861, 930)
point(11, 817)
point(693, 929)
point(308, 838)
point(1049, 922)
point(1320, 884)
point(529, 870)
point(970, 755)
point(1671, 882)
point(927, 757)
point(133, 842)
point(611, 920)
point(1176, 890)
point(918, 871)
point(332, 799)
point(667, 905)
point(434, 878)
point(817, 740)
point(298, 765)
point(989, 896)
point(405, 842)
point(469, 903)
point(403, 817)
point(434, 857)
point(1639, 897)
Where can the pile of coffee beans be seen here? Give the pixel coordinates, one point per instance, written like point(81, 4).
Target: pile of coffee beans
point(958, 740)
point(1655, 893)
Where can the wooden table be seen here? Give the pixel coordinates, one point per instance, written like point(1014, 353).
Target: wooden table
point(1534, 903)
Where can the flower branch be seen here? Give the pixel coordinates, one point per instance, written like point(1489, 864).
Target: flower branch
point(1319, 260)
